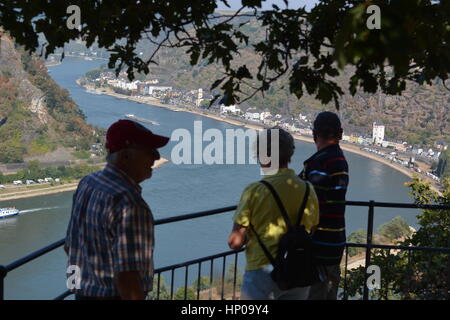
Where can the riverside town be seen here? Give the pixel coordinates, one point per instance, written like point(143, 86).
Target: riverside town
point(203, 155)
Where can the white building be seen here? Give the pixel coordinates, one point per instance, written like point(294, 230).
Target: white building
point(307, 132)
point(377, 133)
point(233, 109)
point(126, 85)
point(255, 116)
point(153, 89)
point(199, 97)
point(265, 115)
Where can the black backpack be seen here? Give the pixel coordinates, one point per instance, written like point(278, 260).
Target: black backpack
point(294, 265)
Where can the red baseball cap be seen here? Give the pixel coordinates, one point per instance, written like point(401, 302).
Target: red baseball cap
point(123, 133)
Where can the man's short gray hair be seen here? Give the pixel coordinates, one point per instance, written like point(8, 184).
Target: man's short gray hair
point(285, 143)
point(112, 158)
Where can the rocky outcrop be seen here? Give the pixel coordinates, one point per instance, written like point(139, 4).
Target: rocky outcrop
point(12, 67)
point(42, 118)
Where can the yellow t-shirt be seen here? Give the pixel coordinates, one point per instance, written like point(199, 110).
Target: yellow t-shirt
point(258, 206)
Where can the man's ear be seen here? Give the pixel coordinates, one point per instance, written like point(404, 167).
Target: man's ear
point(314, 136)
point(341, 131)
point(125, 154)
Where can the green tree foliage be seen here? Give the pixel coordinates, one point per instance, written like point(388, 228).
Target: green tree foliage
point(184, 293)
point(11, 133)
point(443, 166)
point(23, 134)
point(164, 290)
point(230, 276)
point(394, 229)
point(93, 74)
point(34, 171)
point(229, 281)
point(121, 91)
point(359, 236)
point(434, 165)
point(308, 47)
point(415, 274)
point(204, 282)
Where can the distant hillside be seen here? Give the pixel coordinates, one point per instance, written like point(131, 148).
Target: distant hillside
point(41, 116)
point(420, 115)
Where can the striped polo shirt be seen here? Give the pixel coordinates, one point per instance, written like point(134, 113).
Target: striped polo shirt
point(327, 170)
point(110, 230)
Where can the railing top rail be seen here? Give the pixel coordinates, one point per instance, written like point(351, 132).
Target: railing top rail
point(397, 205)
point(34, 255)
point(195, 215)
point(394, 247)
point(55, 245)
point(59, 243)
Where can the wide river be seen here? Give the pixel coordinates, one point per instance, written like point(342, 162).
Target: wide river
point(173, 190)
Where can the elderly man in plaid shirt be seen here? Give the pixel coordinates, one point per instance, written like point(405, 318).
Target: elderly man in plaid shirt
point(110, 237)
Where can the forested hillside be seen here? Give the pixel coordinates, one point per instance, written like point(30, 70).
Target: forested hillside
point(420, 115)
point(41, 115)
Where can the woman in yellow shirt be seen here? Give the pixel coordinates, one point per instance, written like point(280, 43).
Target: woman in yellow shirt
point(258, 207)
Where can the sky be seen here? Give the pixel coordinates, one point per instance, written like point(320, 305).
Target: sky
point(293, 4)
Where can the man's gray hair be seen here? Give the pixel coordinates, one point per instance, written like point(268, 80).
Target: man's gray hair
point(112, 158)
point(285, 143)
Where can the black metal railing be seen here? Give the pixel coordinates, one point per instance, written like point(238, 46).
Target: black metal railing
point(368, 246)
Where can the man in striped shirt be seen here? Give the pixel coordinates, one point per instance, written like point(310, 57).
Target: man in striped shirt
point(110, 236)
point(327, 170)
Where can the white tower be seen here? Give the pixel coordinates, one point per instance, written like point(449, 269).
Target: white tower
point(199, 97)
point(378, 133)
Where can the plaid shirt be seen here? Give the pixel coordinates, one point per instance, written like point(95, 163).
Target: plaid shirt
point(110, 230)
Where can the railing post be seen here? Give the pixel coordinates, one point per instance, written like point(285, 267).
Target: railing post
point(345, 297)
point(3, 273)
point(368, 248)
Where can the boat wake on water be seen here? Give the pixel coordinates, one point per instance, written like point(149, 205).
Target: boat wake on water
point(37, 209)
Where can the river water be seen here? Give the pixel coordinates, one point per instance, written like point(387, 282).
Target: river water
point(173, 190)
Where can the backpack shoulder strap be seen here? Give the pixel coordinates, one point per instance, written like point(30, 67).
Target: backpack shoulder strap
point(303, 206)
point(279, 203)
point(263, 247)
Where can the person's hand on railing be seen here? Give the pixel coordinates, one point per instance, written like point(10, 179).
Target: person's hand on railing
point(238, 237)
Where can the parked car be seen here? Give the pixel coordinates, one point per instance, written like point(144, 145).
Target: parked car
point(16, 182)
point(30, 182)
point(2, 186)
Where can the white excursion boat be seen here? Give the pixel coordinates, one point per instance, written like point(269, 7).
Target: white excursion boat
point(133, 117)
point(8, 212)
point(94, 91)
